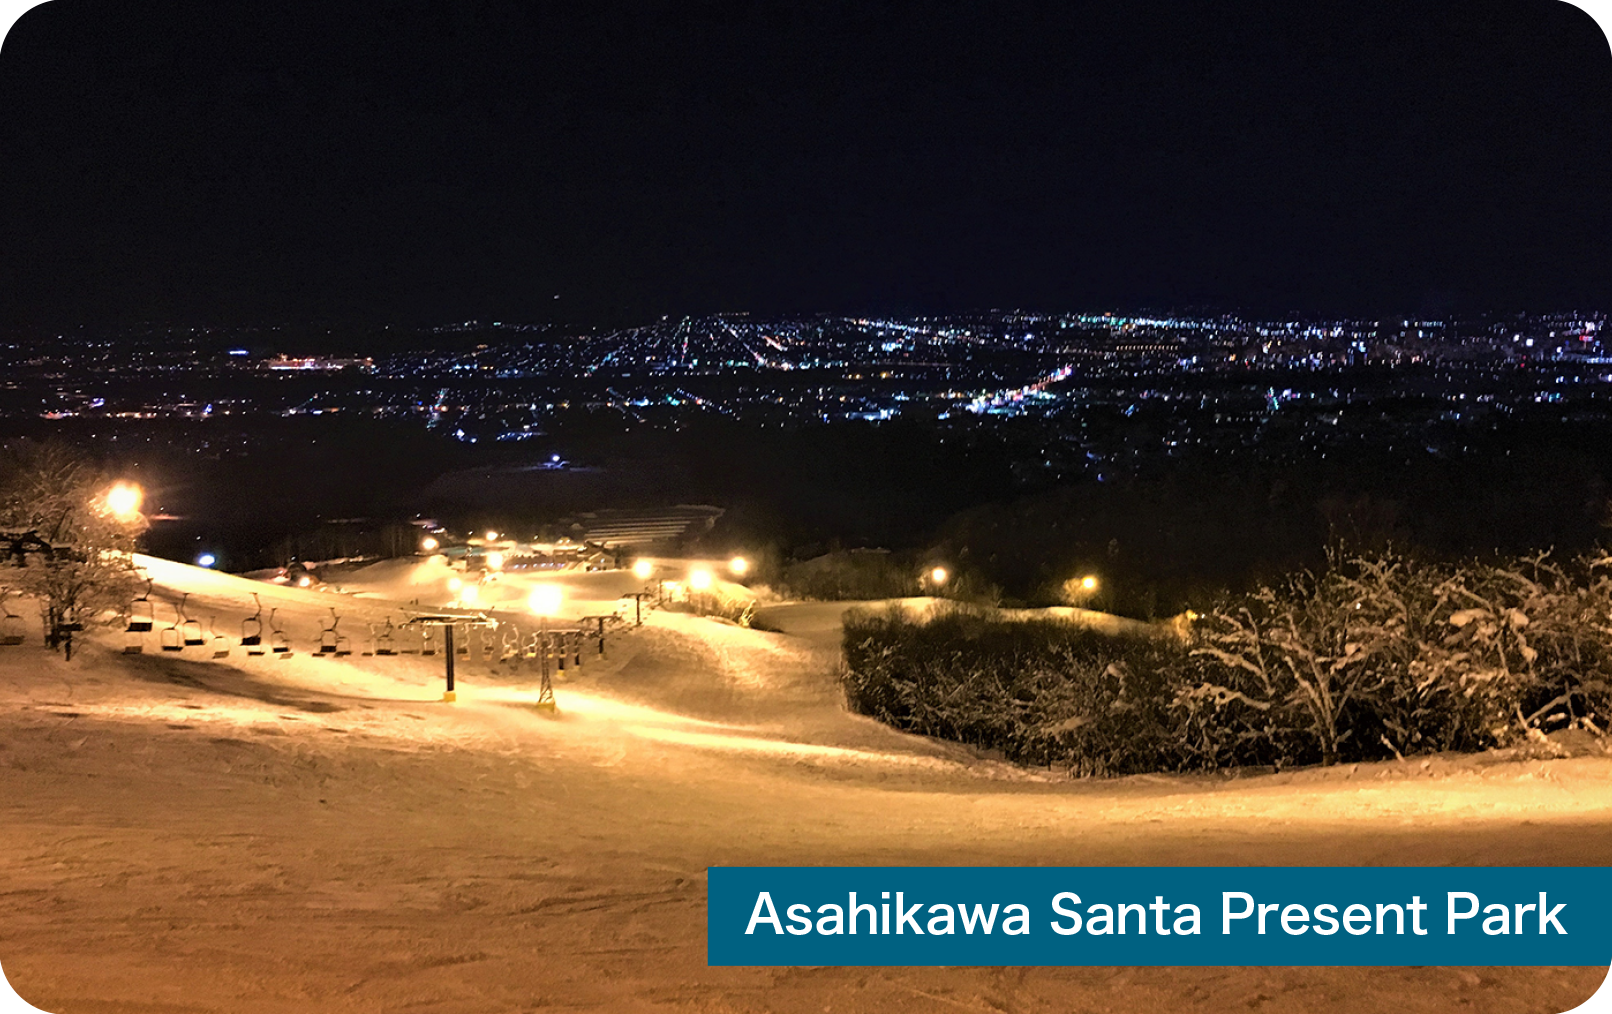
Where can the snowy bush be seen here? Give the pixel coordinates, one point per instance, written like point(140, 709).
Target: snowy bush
point(1041, 692)
point(1376, 657)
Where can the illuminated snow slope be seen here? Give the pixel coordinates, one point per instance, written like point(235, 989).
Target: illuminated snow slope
point(308, 834)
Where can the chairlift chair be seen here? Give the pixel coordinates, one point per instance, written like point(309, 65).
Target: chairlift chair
point(488, 648)
point(140, 615)
point(220, 642)
point(172, 637)
point(510, 649)
point(191, 628)
point(328, 638)
point(12, 627)
point(462, 645)
point(386, 644)
point(279, 643)
point(252, 629)
point(428, 644)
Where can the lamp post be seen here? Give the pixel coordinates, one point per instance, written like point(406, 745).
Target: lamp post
point(699, 583)
point(545, 602)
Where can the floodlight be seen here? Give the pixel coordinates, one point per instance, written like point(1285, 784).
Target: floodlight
point(545, 599)
point(123, 500)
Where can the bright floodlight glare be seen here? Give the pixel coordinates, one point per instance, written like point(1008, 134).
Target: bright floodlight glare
point(642, 569)
point(699, 580)
point(1088, 583)
point(469, 594)
point(454, 584)
point(492, 536)
point(938, 575)
point(304, 581)
point(123, 500)
point(495, 561)
point(545, 599)
point(206, 560)
point(738, 565)
point(428, 543)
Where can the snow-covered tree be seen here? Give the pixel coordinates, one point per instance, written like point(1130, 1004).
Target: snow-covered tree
point(71, 534)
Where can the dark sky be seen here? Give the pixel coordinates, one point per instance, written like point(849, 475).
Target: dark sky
point(432, 161)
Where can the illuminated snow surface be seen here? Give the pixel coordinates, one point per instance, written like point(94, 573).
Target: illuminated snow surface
point(307, 834)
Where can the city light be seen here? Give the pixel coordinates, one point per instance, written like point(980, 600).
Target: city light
point(739, 565)
point(123, 500)
point(545, 599)
point(699, 579)
point(429, 544)
point(642, 569)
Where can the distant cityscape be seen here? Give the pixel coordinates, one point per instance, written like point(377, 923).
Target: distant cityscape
point(1107, 392)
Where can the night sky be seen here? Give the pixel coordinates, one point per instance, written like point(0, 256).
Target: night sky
point(226, 163)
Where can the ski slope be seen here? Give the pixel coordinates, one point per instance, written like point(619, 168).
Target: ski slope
point(245, 834)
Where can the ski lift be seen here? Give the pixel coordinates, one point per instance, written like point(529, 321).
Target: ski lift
point(140, 616)
point(279, 643)
point(488, 648)
point(12, 627)
point(192, 628)
point(252, 629)
point(219, 641)
point(428, 644)
point(173, 637)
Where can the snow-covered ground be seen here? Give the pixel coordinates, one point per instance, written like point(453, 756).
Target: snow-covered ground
point(184, 833)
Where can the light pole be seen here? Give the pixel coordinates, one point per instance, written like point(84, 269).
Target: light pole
point(699, 583)
point(545, 602)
